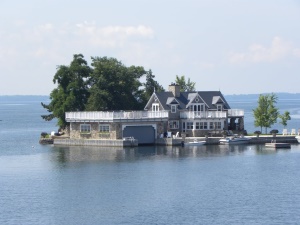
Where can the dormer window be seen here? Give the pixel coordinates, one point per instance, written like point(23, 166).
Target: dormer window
point(219, 107)
point(155, 107)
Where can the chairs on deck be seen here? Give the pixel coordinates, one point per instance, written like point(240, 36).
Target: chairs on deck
point(285, 132)
point(293, 132)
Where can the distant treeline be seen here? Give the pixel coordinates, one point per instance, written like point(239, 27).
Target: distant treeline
point(43, 98)
point(280, 95)
point(18, 98)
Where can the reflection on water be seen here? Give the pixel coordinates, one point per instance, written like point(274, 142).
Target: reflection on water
point(97, 154)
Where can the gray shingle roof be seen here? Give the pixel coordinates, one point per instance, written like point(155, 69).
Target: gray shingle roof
point(210, 98)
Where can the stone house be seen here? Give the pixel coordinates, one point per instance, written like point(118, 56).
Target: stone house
point(167, 114)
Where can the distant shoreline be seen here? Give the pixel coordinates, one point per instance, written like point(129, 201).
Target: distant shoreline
point(280, 95)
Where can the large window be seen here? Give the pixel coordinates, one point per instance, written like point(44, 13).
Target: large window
point(85, 128)
point(173, 124)
point(104, 128)
point(189, 125)
point(203, 125)
point(197, 107)
point(215, 125)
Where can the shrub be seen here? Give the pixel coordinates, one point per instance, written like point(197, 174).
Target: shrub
point(274, 131)
point(44, 134)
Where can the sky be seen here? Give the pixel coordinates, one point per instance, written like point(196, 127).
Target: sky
point(235, 46)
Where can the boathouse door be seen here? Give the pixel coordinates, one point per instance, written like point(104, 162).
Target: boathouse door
point(144, 134)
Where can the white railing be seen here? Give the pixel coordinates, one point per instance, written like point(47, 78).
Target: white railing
point(235, 112)
point(195, 115)
point(110, 116)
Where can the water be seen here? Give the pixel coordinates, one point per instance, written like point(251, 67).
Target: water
point(39, 184)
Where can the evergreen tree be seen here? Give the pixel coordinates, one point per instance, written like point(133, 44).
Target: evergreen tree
point(185, 85)
point(151, 86)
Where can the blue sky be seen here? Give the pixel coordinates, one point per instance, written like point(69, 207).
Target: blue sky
point(235, 46)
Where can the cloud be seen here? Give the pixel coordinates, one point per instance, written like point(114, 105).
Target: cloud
point(257, 53)
point(112, 36)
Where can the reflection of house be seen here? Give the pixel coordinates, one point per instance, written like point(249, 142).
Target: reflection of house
point(172, 112)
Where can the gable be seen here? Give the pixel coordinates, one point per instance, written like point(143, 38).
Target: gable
point(217, 100)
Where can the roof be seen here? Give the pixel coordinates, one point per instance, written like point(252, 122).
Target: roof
point(210, 98)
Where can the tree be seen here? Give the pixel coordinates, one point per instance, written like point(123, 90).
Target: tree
point(71, 93)
point(266, 113)
point(284, 118)
point(185, 85)
point(151, 86)
point(115, 86)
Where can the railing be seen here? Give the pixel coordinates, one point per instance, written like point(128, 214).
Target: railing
point(110, 116)
point(195, 115)
point(235, 112)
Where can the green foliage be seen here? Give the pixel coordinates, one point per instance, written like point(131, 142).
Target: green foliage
point(151, 86)
point(266, 113)
point(115, 86)
point(185, 85)
point(284, 118)
point(107, 85)
point(71, 93)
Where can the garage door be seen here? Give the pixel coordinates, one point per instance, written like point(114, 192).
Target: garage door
point(144, 134)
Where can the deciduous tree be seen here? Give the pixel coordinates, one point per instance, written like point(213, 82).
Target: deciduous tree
point(284, 118)
point(115, 86)
point(266, 113)
point(71, 93)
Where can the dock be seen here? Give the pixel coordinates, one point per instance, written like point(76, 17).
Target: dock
point(278, 145)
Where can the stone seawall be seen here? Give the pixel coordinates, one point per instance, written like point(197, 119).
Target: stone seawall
point(160, 141)
point(96, 142)
point(46, 141)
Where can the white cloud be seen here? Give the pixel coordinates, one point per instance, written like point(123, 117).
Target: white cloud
point(278, 49)
point(112, 36)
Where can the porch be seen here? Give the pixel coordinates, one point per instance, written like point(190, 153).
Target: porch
point(106, 116)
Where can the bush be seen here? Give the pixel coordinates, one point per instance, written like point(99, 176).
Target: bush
point(44, 134)
point(274, 131)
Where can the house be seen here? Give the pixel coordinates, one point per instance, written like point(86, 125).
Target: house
point(197, 113)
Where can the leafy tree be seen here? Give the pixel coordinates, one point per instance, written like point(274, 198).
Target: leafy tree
point(150, 86)
point(266, 113)
point(71, 93)
point(284, 118)
point(115, 86)
point(185, 85)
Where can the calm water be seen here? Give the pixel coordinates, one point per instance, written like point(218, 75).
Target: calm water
point(146, 185)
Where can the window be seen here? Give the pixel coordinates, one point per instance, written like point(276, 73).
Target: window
point(197, 107)
point(197, 125)
point(215, 125)
point(173, 124)
point(155, 107)
point(104, 128)
point(219, 108)
point(203, 125)
point(183, 126)
point(173, 108)
point(189, 125)
point(85, 128)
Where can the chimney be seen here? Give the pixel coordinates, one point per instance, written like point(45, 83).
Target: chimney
point(175, 89)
